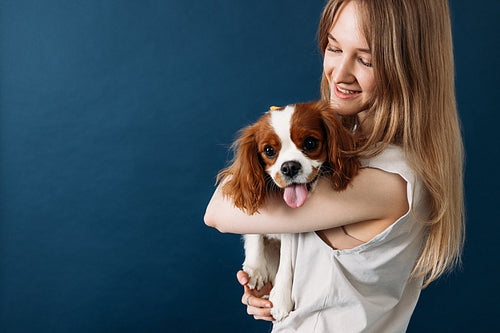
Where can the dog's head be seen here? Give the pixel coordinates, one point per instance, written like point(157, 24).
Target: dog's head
point(293, 146)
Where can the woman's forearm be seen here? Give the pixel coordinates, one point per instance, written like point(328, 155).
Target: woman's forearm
point(372, 195)
point(225, 217)
point(273, 217)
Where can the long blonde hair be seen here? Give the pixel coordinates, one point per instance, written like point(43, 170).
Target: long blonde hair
point(414, 107)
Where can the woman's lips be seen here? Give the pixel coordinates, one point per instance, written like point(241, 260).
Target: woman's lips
point(345, 93)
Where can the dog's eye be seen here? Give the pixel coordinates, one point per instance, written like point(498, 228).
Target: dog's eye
point(310, 144)
point(269, 151)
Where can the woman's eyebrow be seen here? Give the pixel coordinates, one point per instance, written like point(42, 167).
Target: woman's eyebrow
point(330, 36)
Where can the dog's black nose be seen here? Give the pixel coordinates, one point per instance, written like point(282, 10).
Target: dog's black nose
point(290, 168)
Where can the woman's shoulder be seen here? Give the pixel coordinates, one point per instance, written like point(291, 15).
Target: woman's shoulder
point(391, 159)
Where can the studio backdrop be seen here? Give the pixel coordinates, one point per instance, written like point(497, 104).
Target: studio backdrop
point(115, 117)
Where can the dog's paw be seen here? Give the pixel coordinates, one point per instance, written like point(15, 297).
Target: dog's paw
point(282, 305)
point(256, 277)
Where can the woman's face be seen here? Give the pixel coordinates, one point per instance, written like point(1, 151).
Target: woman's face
point(347, 63)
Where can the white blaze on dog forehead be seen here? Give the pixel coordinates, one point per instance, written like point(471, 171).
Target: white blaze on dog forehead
point(281, 121)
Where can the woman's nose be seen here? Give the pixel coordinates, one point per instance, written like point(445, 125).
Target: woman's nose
point(343, 72)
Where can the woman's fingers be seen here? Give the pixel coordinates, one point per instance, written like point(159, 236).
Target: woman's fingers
point(242, 277)
point(254, 297)
point(260, 314)
point(257, 307)
point(251, 299)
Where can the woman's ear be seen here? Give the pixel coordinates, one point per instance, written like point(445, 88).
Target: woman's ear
point(340, 145)
point(244, 180)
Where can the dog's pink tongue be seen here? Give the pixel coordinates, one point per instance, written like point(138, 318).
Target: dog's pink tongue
point(295, 195)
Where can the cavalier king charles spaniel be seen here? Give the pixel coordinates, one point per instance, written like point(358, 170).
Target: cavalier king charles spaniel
point(285, 152)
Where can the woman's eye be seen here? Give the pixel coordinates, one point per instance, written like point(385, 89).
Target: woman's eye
point(310, 144)
point(269, 151)
point(365, 63)
point(333, 49)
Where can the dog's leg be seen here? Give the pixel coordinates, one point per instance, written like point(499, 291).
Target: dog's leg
point(255, 261)
point(281, 294)
point(272, 250)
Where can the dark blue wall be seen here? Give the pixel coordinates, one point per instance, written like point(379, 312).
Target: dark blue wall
point(115, 117)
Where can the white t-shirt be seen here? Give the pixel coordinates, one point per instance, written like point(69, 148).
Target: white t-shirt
point(364, 289)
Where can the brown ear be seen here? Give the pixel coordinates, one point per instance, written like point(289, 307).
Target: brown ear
point(244, 180)
point(341, 142)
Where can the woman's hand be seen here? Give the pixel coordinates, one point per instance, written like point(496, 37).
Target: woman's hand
point(257, 307)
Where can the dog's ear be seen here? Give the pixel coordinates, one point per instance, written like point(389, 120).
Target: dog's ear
point(244, 180)
point(340, 145)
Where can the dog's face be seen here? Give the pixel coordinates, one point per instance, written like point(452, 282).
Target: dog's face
point(293, 146)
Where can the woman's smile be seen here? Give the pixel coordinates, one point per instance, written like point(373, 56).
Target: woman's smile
point(345, 93)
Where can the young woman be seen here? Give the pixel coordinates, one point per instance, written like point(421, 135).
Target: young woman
point(362, 255)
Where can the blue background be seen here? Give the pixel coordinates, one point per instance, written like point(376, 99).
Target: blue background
point(115, 117)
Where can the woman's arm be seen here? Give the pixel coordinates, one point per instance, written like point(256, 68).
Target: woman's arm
point(373, 195)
